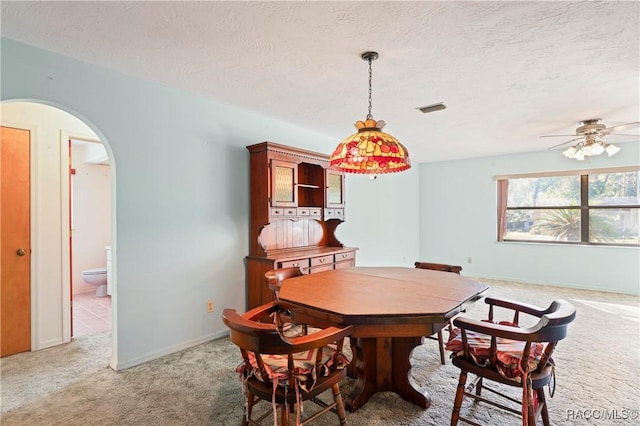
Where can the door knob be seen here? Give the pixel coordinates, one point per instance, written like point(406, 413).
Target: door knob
point(21, 252)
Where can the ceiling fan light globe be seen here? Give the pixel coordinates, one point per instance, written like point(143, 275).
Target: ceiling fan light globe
point(570, 152)
point(579, 155)
point(612, 150)
point(595, 149)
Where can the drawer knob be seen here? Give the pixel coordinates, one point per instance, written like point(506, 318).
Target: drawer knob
point(321, 260)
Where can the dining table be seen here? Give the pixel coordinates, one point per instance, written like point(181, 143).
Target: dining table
point(390, 309)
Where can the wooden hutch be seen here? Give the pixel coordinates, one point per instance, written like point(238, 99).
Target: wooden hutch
point(296, 204)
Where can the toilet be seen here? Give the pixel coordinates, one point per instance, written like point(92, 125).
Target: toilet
point(97, 277)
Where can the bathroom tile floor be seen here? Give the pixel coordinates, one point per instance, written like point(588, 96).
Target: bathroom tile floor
point(91, 314)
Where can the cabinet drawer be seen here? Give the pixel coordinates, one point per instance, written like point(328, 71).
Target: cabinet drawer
point(342, 257)
point(303, 212)
point(278, 212)
point(334, 214)
point(322, 260)
point(345, 264)
point(290, 212)
point(300, 263)
point(316, 213)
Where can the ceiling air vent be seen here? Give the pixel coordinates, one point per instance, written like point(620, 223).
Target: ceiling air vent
point(432, 108)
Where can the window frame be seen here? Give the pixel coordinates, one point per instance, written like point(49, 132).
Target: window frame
point(584, 207)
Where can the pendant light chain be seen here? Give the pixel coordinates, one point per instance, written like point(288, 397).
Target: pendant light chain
point(369, 116)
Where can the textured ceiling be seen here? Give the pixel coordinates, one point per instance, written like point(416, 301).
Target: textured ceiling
point(507, 71)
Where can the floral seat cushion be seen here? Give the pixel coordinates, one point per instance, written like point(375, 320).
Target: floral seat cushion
point(305, 371)
point(509, 352)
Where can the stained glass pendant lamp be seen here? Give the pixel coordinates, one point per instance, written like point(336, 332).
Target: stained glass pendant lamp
point(370, 151)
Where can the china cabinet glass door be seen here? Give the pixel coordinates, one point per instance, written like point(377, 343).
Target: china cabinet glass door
point(283, 184)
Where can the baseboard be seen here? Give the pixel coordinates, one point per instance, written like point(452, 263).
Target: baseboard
point(48, 343)
point(556, 284)
point(122, 365)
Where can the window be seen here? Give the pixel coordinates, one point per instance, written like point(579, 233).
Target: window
point(594, 207)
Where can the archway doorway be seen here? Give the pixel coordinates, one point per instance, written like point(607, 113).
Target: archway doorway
point(51, 129)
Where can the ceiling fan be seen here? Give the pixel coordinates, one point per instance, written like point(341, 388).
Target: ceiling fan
point(590, 134)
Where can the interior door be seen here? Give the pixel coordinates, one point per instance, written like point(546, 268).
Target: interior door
point(15, 236)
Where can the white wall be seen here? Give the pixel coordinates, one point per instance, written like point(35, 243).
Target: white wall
point(47, 209)
point(181, 195)
point(91, 213)
point(458, 208)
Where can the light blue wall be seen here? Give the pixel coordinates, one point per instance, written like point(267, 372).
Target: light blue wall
point(382, 218)
point(182, 196)
point(458, 209)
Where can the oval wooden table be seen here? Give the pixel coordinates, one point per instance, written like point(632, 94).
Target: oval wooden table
point(391, 308)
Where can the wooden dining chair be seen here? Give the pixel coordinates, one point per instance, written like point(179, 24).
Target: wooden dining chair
point(273, 280)
point(444, 268)
point(439, 267)
point(287, 371)
point(509, 354)
point(275, 277)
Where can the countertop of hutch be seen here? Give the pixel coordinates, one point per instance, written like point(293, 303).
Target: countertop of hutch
point(304, 253)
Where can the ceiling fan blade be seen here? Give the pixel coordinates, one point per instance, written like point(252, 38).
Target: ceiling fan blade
point(556, 136)
point(632, 124)
point(565, 142)
point(621, 134)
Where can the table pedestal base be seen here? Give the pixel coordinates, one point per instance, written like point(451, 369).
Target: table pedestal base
point(383, 364)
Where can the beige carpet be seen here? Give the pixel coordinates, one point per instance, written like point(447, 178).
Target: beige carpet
point(598, 375)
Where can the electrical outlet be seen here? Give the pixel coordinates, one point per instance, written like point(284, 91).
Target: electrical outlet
point(209, 306)
point(468, 260)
